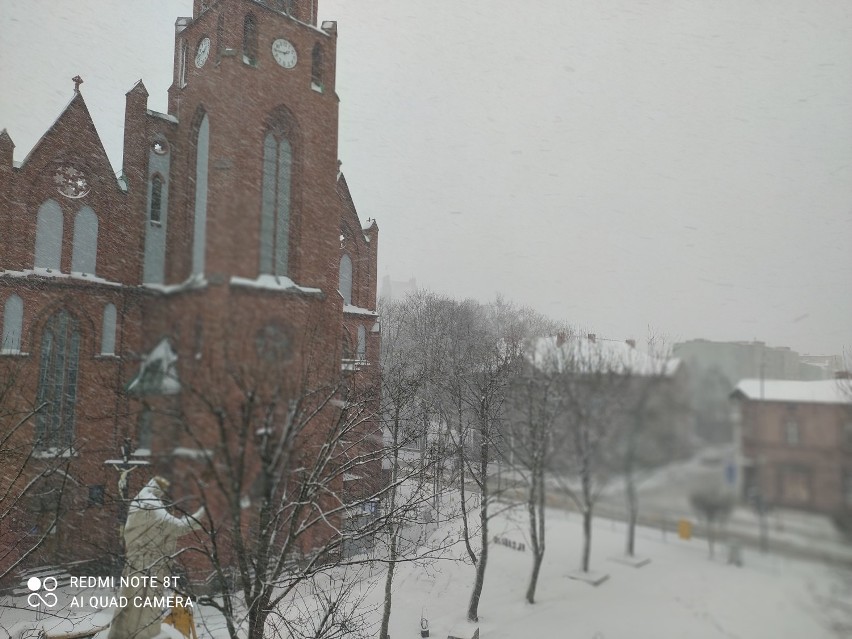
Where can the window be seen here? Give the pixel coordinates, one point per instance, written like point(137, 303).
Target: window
point(154, 214)
point(362, 342)
point(48, 248)
point(275, 204)
point(144, 434)
point(184, 52)
point(345, 275)
point(108, 331)
point(57, 382)
point(250, 40)
point(13, 319)
point(199, 242)
point(85, 254)
point(316, 67)
point(220, 36)
point(791, 432)
point(347, 345)
point(96, 495)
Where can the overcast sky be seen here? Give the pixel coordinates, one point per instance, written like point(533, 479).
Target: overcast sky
point(680, 164)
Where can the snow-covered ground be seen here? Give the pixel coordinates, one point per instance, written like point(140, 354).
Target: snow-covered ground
point(680, 593)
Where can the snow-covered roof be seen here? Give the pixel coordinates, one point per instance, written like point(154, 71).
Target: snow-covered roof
point(46, 272)
point(357, 310)
point(273, 283)
point(191, 283)
point(823, 391)
point(586, 355)
point(163, 116)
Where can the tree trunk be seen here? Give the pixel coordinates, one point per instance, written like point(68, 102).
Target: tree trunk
point(257, 616)
point(587, 537)
point(392, 529)
point(386, 612)
point(473, 609)
point(632, 515)
point(588, 504)
point(535, 508)
point(538, 557)
point(630, 491)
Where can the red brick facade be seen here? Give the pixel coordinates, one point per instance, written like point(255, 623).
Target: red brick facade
point(797, 454)
point(250, 133)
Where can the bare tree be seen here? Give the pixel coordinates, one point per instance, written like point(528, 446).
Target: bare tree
point(286, 455)
point(274, 450)
point(590, 384)
point(33, 479)
point(405, 366)
point(534, 409)
point(480, 353)
point(653, 407)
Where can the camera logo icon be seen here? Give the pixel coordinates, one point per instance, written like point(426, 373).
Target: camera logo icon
point(47, 586)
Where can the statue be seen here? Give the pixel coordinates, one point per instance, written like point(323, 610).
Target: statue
point(150, 540)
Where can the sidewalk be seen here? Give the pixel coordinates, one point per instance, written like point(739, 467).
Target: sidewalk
point(796, 534)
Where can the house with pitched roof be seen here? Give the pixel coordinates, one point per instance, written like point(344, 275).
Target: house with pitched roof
point(795, 442)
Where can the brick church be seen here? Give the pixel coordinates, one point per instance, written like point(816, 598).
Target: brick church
point(142, 314)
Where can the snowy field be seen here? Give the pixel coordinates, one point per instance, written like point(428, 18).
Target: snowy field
point(680, 593)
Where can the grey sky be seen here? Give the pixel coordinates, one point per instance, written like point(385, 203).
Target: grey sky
point(616, 164)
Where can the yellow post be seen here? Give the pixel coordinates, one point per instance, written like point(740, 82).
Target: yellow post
point(684, 529)
point(181, 619)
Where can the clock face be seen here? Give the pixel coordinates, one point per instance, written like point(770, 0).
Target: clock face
point(284, 53)
point(202, 53)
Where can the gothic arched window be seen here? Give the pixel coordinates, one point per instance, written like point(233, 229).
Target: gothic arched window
point(220, 36)
point(347, 345)
point(155, 212)
point(13, 320)
point(316, 67)
point(184, 54)
point(108, 330)
point(57, 382)
point(48, 247)
point(250, 40)
point(345, 279)
point(275, 204)
point(362, 342)
point(85, 254)
point(202, 152)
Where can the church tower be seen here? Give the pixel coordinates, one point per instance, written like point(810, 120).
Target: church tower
point(253, 92)
point(228, 247)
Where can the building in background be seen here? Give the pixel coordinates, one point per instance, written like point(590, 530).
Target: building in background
point(716, 367)
point(795, 440)
point(230, 240)
point(397, 290)
point(739, 360)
